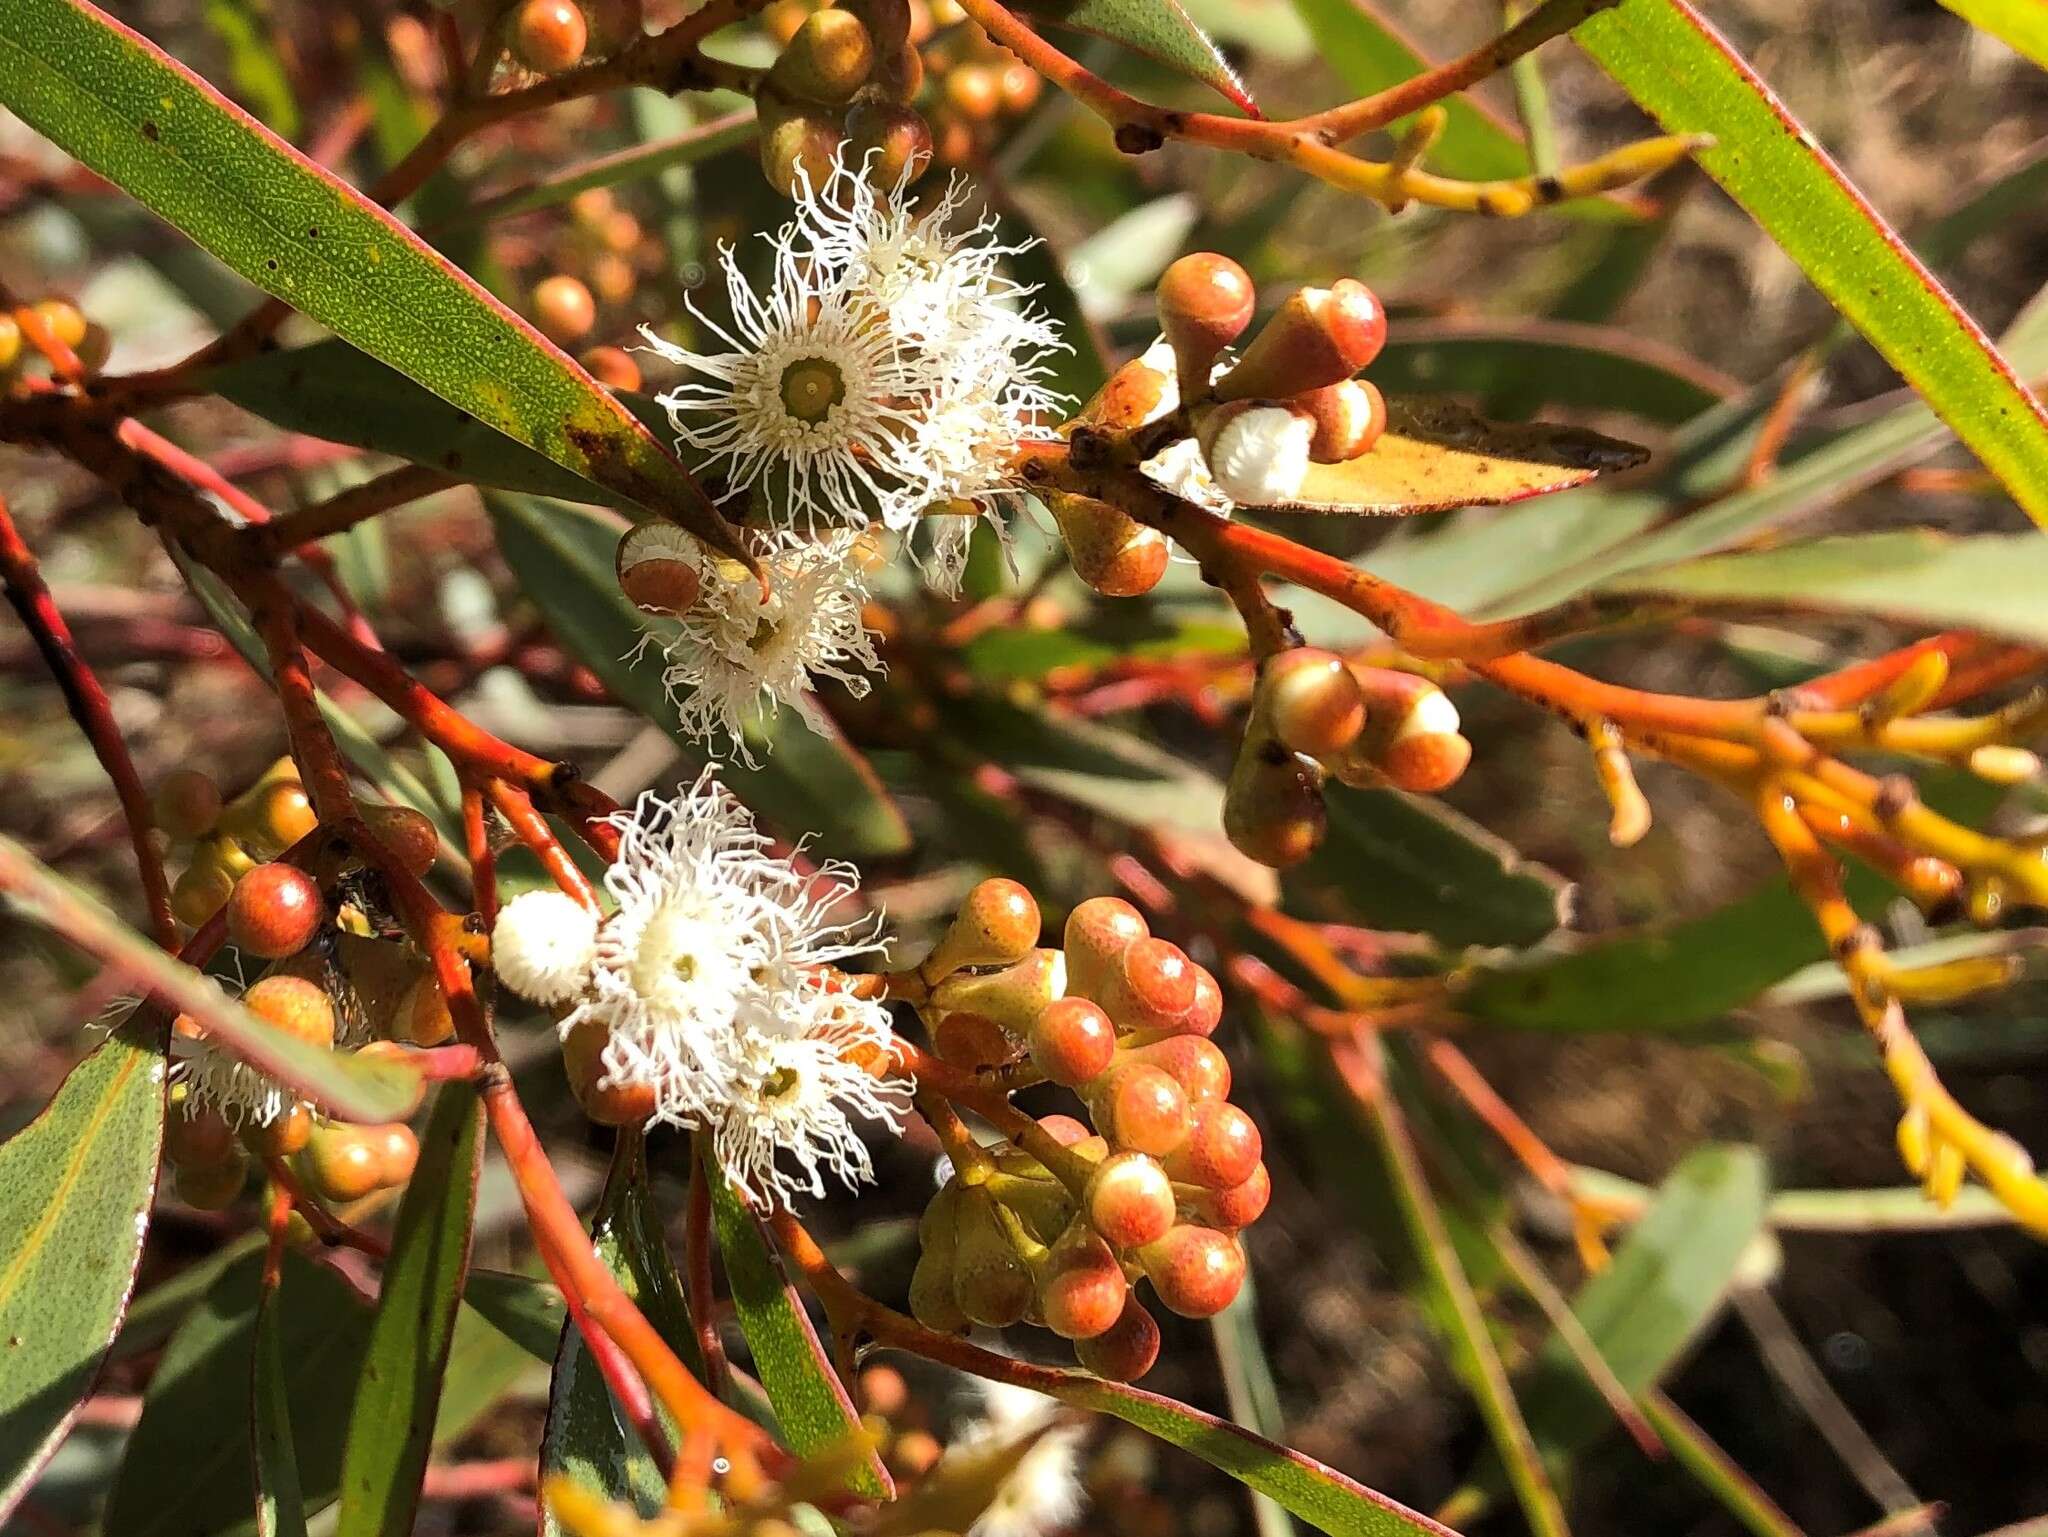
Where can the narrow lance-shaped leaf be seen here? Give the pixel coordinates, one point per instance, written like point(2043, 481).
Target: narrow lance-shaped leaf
point(810, 1401)
point(399, 1389)
point(118, 103)
point(280, 1507)
point(75, 1188)
point(1680, 69)
point(1159, 29)
point(339, 1081)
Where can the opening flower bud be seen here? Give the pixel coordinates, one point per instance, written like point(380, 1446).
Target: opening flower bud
point(1411, 738)
point(1205, 301)
point(1318, 337)
point(542, 946)
point(1312, 700)
point(1196, 1271)
point(1257, 451)
point(1349, 415)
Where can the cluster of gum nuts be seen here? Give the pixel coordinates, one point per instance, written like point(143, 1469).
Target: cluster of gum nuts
point(843, 88)
point(230, 838)
point(277, 914)
point(1055, 1227)
point(1260, 418)
point(971, 84)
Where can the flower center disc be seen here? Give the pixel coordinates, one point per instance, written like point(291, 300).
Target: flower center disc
point(811, 387)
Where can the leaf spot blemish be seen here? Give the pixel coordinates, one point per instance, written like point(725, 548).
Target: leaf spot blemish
point(150, 131)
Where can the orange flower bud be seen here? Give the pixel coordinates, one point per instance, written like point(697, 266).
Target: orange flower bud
point(1318, 337)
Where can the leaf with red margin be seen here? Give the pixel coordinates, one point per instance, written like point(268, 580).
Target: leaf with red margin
point(1160, 30)
point(1686, 76)
point(120, 105)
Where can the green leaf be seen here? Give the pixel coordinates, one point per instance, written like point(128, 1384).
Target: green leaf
point(339, 1081)
point(1667, 1280)
point(805, 781)
point(1248, 1385)
point(699, 142)
point(243, 29)
point(1552, 363)
point(1460, 1320)
point(399, 1389)
point(1681, 71)
point(280, 1507)
point(1395, 861)
point(811, 1403)
point(75, 1186)
point(1718, 1473)
point(2022, 25)
point(1991, 582)
point(1669, 980)
point(1436, 455)
point(587, 1437)
point(189, 1467)
point(119, 104)
point(1158, 29)
point(526, 1311)
point(1318, 1494)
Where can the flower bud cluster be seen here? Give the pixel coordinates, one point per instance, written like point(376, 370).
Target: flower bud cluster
point(1288, 400)
point(1314, 715)
point(1056, 1227)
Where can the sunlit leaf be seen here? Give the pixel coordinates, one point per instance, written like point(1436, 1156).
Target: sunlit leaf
point(75, 1188)
point(398, 1391)
point(1680, 69)
point(811, 1403)
point(280, 1506)
point(346, 1085)
point(123, 107)
point(1159, 29)
point(1436, 455)
point(1987, 582)
point(2021, 25)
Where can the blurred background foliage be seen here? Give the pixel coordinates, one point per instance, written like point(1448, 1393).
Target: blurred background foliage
point(1877, 1357)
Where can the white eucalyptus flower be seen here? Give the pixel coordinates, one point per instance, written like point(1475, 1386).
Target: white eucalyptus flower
point(709, 980)
point(734, 656)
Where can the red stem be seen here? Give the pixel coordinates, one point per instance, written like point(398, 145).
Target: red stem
point(93, 711)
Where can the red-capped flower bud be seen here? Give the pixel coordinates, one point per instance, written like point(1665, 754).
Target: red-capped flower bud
point(341, 1162)
point(1207, 1012)
point(1110, 550)
point(1256, 450)
point(299, 1008)
point(563, 308)
point(1349, 415)
point(890, 141)
point(550, 35)
point(1222, 1147)
point(1129, 1200)
point(996, 925)
point(613, 367)
point(1192, 1061)
point(828, 59)
point(198, 1138)
point(1196, 1271)
point(407, 835)
point(1064, 1129)
point(1081, 1287)
point(1154, 988)
point(275, 911)
point(605, 1102)
point(1205, 301)
point(1072, 1042)
point(1097, 934)
point(1140, 1107)
point(1312, 700)
point(1238, 1207)
point(1133, 395)
point(398, 1153)
point(1127, 1350)
point(187, 803)
point(1318, 337)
